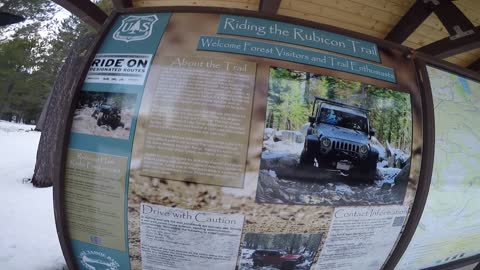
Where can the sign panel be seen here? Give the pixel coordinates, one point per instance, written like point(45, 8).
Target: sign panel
point(298, 35)
point(96, 178)
point(308, 57)
point(195, 151)
point(449, 229)
point(199, 120)
point(119, 68)
point(174, 238)
point(361, 237)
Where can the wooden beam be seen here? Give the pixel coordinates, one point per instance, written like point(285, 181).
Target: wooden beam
point(447, 47)
point(418, 13)
point(475, 65)
point(456, 23)
point(269, 7)
point(120, 4)
point(87, 11)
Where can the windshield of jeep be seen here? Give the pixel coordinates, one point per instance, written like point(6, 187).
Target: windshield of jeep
point(343, 119)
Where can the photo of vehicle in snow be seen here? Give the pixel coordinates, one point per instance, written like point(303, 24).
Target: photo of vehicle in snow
point(104, 114)
point(331, 141)
point(279, 251)
point(338, 137)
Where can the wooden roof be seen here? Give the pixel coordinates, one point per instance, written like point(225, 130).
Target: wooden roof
point(384, 19)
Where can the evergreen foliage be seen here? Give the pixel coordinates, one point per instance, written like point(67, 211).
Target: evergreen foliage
point(291, 95)
point(30, 61)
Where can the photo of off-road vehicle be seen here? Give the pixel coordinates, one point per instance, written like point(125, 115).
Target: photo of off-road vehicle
point(108, 115)
point(339, 138)
point(269, 251)
point(333, 141)
point(104, 114)
point(276, 258)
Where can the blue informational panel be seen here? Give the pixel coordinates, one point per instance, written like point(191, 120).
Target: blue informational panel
point(297, 55)
point(298, 35)
point(111, 95)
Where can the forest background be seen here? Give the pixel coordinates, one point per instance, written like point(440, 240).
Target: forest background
point(32, 54)
point(292, 93)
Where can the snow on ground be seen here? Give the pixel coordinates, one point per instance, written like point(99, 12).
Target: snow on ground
point(28, 240)
point(388, 175)
point(280, 149)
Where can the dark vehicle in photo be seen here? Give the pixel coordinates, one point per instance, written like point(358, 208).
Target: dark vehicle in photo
point(109, 115)
point(276, 258)
point(339, 138)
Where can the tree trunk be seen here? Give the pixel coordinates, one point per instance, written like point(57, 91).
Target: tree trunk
point(43, 115)
point(53, 128)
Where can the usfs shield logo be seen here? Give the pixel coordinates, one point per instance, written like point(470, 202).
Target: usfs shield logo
point(135, 28)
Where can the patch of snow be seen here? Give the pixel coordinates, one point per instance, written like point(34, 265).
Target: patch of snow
point(375, 143)
point(400, 154)
point(343, 189)
point(247, 253)
point(382, 164)
point(388, 174)
point(9, 127)
point(29, 238)
point(83, 122)
point(272, 173)
point(305, 264)
point(280, 149)
point(268, 133)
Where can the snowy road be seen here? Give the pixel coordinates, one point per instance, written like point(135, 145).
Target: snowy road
point(29, 239)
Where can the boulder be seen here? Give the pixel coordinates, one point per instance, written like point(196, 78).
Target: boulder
point(289, 135)
point(268, 133)
point(403, 175)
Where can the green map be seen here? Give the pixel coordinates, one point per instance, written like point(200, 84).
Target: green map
point(449, 229)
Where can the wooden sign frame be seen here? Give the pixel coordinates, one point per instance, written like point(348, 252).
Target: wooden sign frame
point(420, 60)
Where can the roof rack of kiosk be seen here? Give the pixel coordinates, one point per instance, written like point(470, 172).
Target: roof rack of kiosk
point(341, 104)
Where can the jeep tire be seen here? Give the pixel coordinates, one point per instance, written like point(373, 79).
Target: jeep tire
point(257, 263)
point(370, 168)
point(306, 158)
point(288, 266)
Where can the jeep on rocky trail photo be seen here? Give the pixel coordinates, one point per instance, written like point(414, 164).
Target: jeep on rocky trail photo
point(109, 115)
point(276, 258)
point(339, 138)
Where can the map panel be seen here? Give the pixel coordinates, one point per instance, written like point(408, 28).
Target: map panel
point(449, 229)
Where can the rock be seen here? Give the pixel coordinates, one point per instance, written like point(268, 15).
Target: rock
point(331, 186)
point(272, 173)
point(268, 133)
point(398, 163)
point(268, 181)
point(287, 161)
point(386, 186)
point(155, 182)
point(304, 129)
point(289, 135)
point(300, 138)
point(403, 175)
point(278, 136)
